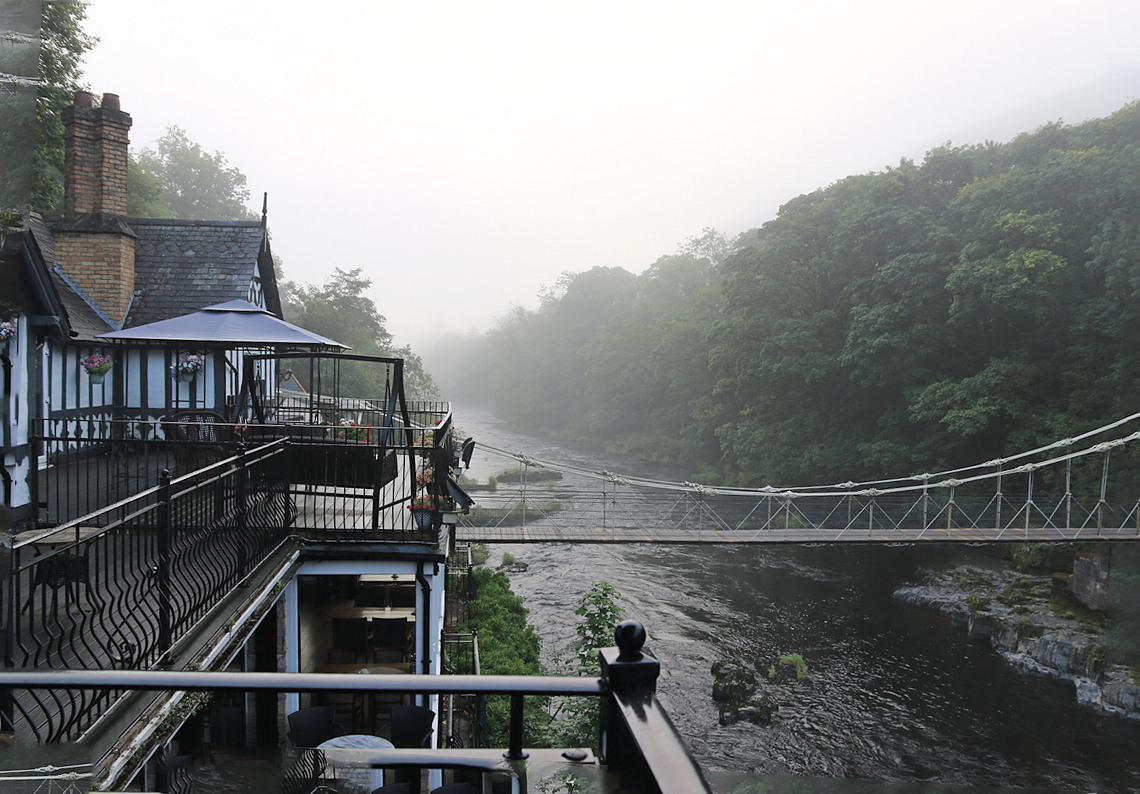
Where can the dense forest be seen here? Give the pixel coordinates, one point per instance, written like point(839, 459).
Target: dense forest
point(928, 315)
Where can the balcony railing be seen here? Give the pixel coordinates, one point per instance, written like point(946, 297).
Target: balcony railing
point(123, 587)
point(349, 479)
point(638, 741)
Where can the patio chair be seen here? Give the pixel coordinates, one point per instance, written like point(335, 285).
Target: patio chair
point(412, 726)
point(309, 727)
point(199, 438)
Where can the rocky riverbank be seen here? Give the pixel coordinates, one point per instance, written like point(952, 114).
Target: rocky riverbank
point(1034, 626)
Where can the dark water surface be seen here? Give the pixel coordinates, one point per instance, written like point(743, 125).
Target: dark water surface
point(895, 692)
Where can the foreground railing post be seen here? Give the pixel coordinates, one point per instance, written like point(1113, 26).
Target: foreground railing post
point(637, 738)
point(164, 510)
point(623, 668)
point(514, 748)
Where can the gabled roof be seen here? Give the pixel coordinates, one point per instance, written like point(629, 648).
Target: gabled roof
point(230, 324)
point(181, 266)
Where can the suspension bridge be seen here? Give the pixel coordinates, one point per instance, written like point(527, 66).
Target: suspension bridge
point(1083, 488)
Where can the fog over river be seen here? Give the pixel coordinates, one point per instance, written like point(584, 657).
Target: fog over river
point(895, 691)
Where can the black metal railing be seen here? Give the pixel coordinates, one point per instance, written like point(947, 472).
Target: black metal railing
point(121, 588)
point(344, 479)
point(635, 733)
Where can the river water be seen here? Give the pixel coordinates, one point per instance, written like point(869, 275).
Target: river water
point(895, 692)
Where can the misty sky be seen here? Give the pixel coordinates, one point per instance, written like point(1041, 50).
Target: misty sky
point(468, 153)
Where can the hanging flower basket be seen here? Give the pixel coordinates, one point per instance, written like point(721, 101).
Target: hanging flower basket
point(96, 366)
point(7, 332)
point(187, 368)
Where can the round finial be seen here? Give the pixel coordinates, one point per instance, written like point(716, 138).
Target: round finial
point(630, 636)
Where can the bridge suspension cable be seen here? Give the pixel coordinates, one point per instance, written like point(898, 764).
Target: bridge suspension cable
point(943, 479)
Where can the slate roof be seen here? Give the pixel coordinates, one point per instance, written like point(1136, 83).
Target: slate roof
point(83, 322)
point(181, 266)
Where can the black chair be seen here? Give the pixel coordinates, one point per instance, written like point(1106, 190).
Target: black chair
point(412, 726)
point(309, 727)
point(306, 775)
point(394, 788)
point(455, 788)
point(198, 438)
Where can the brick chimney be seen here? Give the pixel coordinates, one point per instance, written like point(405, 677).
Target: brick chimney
point(93, 244)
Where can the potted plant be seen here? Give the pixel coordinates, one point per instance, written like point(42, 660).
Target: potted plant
point(187, 367)
point(7, 332)
point(96, 366)
point(425, 477)
point(423, 509)
point(351, 431)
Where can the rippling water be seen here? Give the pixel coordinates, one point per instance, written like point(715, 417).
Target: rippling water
point(895, 691)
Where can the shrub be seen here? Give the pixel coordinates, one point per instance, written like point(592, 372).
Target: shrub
point(977, 603)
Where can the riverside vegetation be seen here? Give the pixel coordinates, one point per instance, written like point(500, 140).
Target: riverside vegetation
point(509, 645)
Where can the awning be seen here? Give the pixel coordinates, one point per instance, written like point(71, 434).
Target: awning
point(232, 324)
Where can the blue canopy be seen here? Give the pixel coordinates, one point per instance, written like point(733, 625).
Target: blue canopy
point(234, 323)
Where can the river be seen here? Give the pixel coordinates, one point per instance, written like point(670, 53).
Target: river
point(895, 691)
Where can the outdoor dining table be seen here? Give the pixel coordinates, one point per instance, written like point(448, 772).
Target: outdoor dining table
point(351, 762)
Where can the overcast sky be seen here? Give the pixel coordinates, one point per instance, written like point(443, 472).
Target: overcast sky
point(464, 154)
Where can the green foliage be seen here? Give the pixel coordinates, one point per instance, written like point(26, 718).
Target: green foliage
point(340, 309)
point(797, 661)
point(508, 558)
point(1045, 557)
point(196, 184)
point(598, 613)
point(479, 554)
point(576, 724)
point(144, 194)
point(1026, 628)
point(981, 302)
point(63, 44)
point(508, 645)
point(977, 603)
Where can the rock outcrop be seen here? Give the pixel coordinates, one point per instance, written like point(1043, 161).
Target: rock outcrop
point(1012, 612)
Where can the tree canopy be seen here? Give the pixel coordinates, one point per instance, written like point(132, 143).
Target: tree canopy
point(63, 43)
point(193, 183)
point(933, 314)
point(340, 310)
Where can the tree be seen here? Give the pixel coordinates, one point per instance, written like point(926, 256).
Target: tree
point(62, 47)
point(340, 310)
point(144, 194)
point(576, 723)
point(196, 184)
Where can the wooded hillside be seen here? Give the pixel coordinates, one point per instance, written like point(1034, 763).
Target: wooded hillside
point(933, 314)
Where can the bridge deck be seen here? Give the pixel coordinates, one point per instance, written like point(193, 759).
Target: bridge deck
point(548, 534)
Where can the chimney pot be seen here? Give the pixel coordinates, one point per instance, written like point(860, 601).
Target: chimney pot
point(111, 101)
point(83, 99)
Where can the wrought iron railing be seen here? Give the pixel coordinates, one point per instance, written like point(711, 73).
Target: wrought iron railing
point(346, 479)
point(121, 588)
